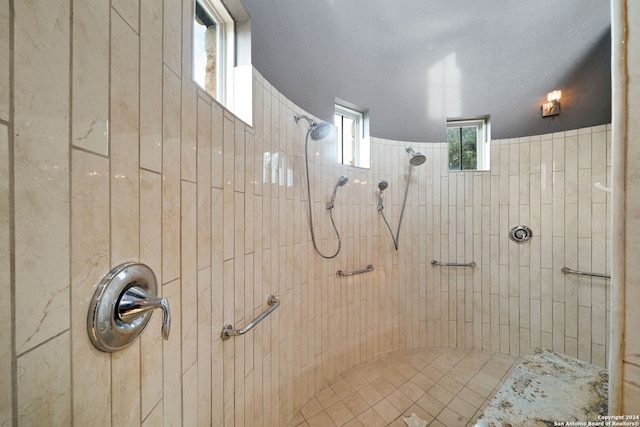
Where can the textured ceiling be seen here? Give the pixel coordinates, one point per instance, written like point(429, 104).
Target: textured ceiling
point(413, 63)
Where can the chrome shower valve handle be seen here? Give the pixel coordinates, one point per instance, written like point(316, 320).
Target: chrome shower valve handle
point(135, 302)
point(122, 306)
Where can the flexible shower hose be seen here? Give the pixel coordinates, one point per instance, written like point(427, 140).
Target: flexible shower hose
point(396, 238)
point(313, 234)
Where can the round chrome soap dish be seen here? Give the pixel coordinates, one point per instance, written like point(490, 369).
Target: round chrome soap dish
point(520, 233)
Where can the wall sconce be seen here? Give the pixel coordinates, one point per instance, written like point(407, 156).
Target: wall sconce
point(552, 107)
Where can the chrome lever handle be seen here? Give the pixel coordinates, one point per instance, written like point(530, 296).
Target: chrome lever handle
point(135, 302)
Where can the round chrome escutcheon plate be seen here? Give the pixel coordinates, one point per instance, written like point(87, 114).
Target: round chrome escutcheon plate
point(106, 330)
point(520, 233)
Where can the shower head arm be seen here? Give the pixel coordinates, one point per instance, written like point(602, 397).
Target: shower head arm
point(309, 120)
point(417, 158)
point(316, 131)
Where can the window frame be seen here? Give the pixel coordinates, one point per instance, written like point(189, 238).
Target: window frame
point(225, 51)
point(359, 137)
point(482, 144)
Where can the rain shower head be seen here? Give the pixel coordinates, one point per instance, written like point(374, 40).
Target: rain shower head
point(320, 131)
point(417, 158)
point(317, 131)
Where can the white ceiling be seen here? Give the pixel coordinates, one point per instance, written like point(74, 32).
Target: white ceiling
point(413, 63)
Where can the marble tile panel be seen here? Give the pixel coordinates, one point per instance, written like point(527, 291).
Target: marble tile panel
point(89, 263)
point(207, 331)
point(630, 389)
point(239, 154)
point(229, 187)
point(124, 137)
point(90, 76)
point(546, 170)
point(4, 53)
point(204, 145)
point(151, 84)
point(189, 274)
point(5, 287)
point(189, 404)
point(155, 418)
point(584, 217)
point(228, 316)
point(170, 176)
point(598, 152)
point(150, 253)
point(125, 386)
point(41, 171)
point(44, 383)
point(239, 260)
point(217, 369)
point(172, 36)
point(151, 221)
point(571, 169)
point(558, 203)
point(171, 366)
point(188, 131)
point(129, 11)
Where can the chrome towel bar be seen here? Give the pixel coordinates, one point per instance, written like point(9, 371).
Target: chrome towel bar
point(228, 331)
point(340, 273)
point(567, 270)
point(471, 264)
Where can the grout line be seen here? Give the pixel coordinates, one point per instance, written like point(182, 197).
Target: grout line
point(12, 216)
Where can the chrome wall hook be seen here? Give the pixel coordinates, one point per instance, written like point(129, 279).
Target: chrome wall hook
point(122, 305)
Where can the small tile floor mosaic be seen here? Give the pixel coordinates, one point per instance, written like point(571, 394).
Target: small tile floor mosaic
point(444, 386)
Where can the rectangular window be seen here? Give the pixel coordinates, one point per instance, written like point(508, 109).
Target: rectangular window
point(468, 142)
point(222, 54)
point(353, 146)
point(213, 49)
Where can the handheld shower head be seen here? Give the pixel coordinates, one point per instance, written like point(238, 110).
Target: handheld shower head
point(382, 185)
point(317, 131)
point(417, 158)
point(341, 181)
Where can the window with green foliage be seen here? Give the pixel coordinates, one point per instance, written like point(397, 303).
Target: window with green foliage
point(468, 142)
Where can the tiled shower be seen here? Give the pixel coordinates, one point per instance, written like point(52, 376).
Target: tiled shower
point(109, 153)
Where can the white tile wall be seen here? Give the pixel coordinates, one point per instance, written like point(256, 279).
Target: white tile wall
point(526, 300)
point(138, 164)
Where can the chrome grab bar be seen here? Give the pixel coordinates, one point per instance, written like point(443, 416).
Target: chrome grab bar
point(567, 270)
point(351, 273)
point(471, 264)
point(228, 331)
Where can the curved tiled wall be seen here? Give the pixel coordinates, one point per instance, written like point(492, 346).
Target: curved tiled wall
point(140, 164)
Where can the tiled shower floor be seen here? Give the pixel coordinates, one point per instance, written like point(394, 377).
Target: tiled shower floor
point(444, 386)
